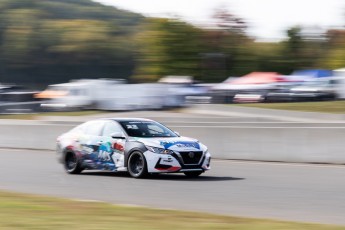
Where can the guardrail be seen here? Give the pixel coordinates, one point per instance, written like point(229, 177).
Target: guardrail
point(285, 144)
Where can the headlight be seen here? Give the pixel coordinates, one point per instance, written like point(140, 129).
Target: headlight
point(159, 150)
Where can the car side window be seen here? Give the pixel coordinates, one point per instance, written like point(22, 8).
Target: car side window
point(94, 128)
point(110, 128)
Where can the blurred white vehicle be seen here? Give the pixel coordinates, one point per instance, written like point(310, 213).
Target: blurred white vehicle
point(106, 94)
point(340, 82)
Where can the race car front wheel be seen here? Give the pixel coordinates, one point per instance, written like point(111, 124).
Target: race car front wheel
point(137, 166)
point(71, 163)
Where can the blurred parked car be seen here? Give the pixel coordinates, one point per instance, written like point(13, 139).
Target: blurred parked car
point(282, 92)
point(248, 88)
point(318, 89)
point(250, 96)
point(15, 93)
point(312, 90)
point(17, 99)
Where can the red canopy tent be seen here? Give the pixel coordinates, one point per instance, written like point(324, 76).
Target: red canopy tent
point(259, 78)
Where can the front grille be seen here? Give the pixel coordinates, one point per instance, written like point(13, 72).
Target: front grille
point(190, 157)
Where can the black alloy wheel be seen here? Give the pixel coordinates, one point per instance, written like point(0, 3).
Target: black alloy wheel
point(137, 166)
point(71, 163)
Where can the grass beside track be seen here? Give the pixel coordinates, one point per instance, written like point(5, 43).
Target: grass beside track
point(322, 107)
point(19, 211)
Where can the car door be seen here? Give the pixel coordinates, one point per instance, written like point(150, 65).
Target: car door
point(91, 142)
point(113, 146)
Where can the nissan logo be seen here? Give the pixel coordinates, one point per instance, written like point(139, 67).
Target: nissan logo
point(191, 155)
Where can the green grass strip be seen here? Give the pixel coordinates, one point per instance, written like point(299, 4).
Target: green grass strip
point(19, 211)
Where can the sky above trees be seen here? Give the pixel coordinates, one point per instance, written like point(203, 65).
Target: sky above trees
point(267, 19)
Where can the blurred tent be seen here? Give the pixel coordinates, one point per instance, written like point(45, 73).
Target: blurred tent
point(314, 73)
point(251, 87)
point(259, 78)
point(254, 80)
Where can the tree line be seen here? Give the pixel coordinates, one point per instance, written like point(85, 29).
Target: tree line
point(52, 41)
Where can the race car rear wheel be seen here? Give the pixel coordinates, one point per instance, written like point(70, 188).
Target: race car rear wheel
point(71, 163)
point(137, 166)
point(193, 174)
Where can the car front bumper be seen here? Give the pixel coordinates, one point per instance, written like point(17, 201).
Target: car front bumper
point(177, 162)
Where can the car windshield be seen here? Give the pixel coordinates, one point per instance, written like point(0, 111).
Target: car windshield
point(146, 129)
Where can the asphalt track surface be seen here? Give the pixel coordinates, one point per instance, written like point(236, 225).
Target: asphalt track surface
point(298, 192)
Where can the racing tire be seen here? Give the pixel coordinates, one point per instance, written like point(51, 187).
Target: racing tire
point(137, 166)
point(71, 163)
point(193, 174)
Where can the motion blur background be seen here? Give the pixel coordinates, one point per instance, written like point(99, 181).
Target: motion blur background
point(47, 42)
point(53, 41)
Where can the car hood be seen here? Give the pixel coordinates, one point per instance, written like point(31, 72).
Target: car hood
point(174, 143)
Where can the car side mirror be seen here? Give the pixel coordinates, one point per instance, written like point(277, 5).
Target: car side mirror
point(177, 133)
point(118, 135)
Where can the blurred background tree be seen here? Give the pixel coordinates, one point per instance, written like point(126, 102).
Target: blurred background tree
point(334, 56)
point(52, 41)
point(167, 47)
point(49, 41)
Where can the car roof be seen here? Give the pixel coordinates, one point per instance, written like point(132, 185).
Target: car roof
point(119, 119)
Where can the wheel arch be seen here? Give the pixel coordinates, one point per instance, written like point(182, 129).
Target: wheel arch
point(70, 150)
point(78, 162)
point(132, 147)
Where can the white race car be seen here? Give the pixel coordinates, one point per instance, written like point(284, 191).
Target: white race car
point(139, 146)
